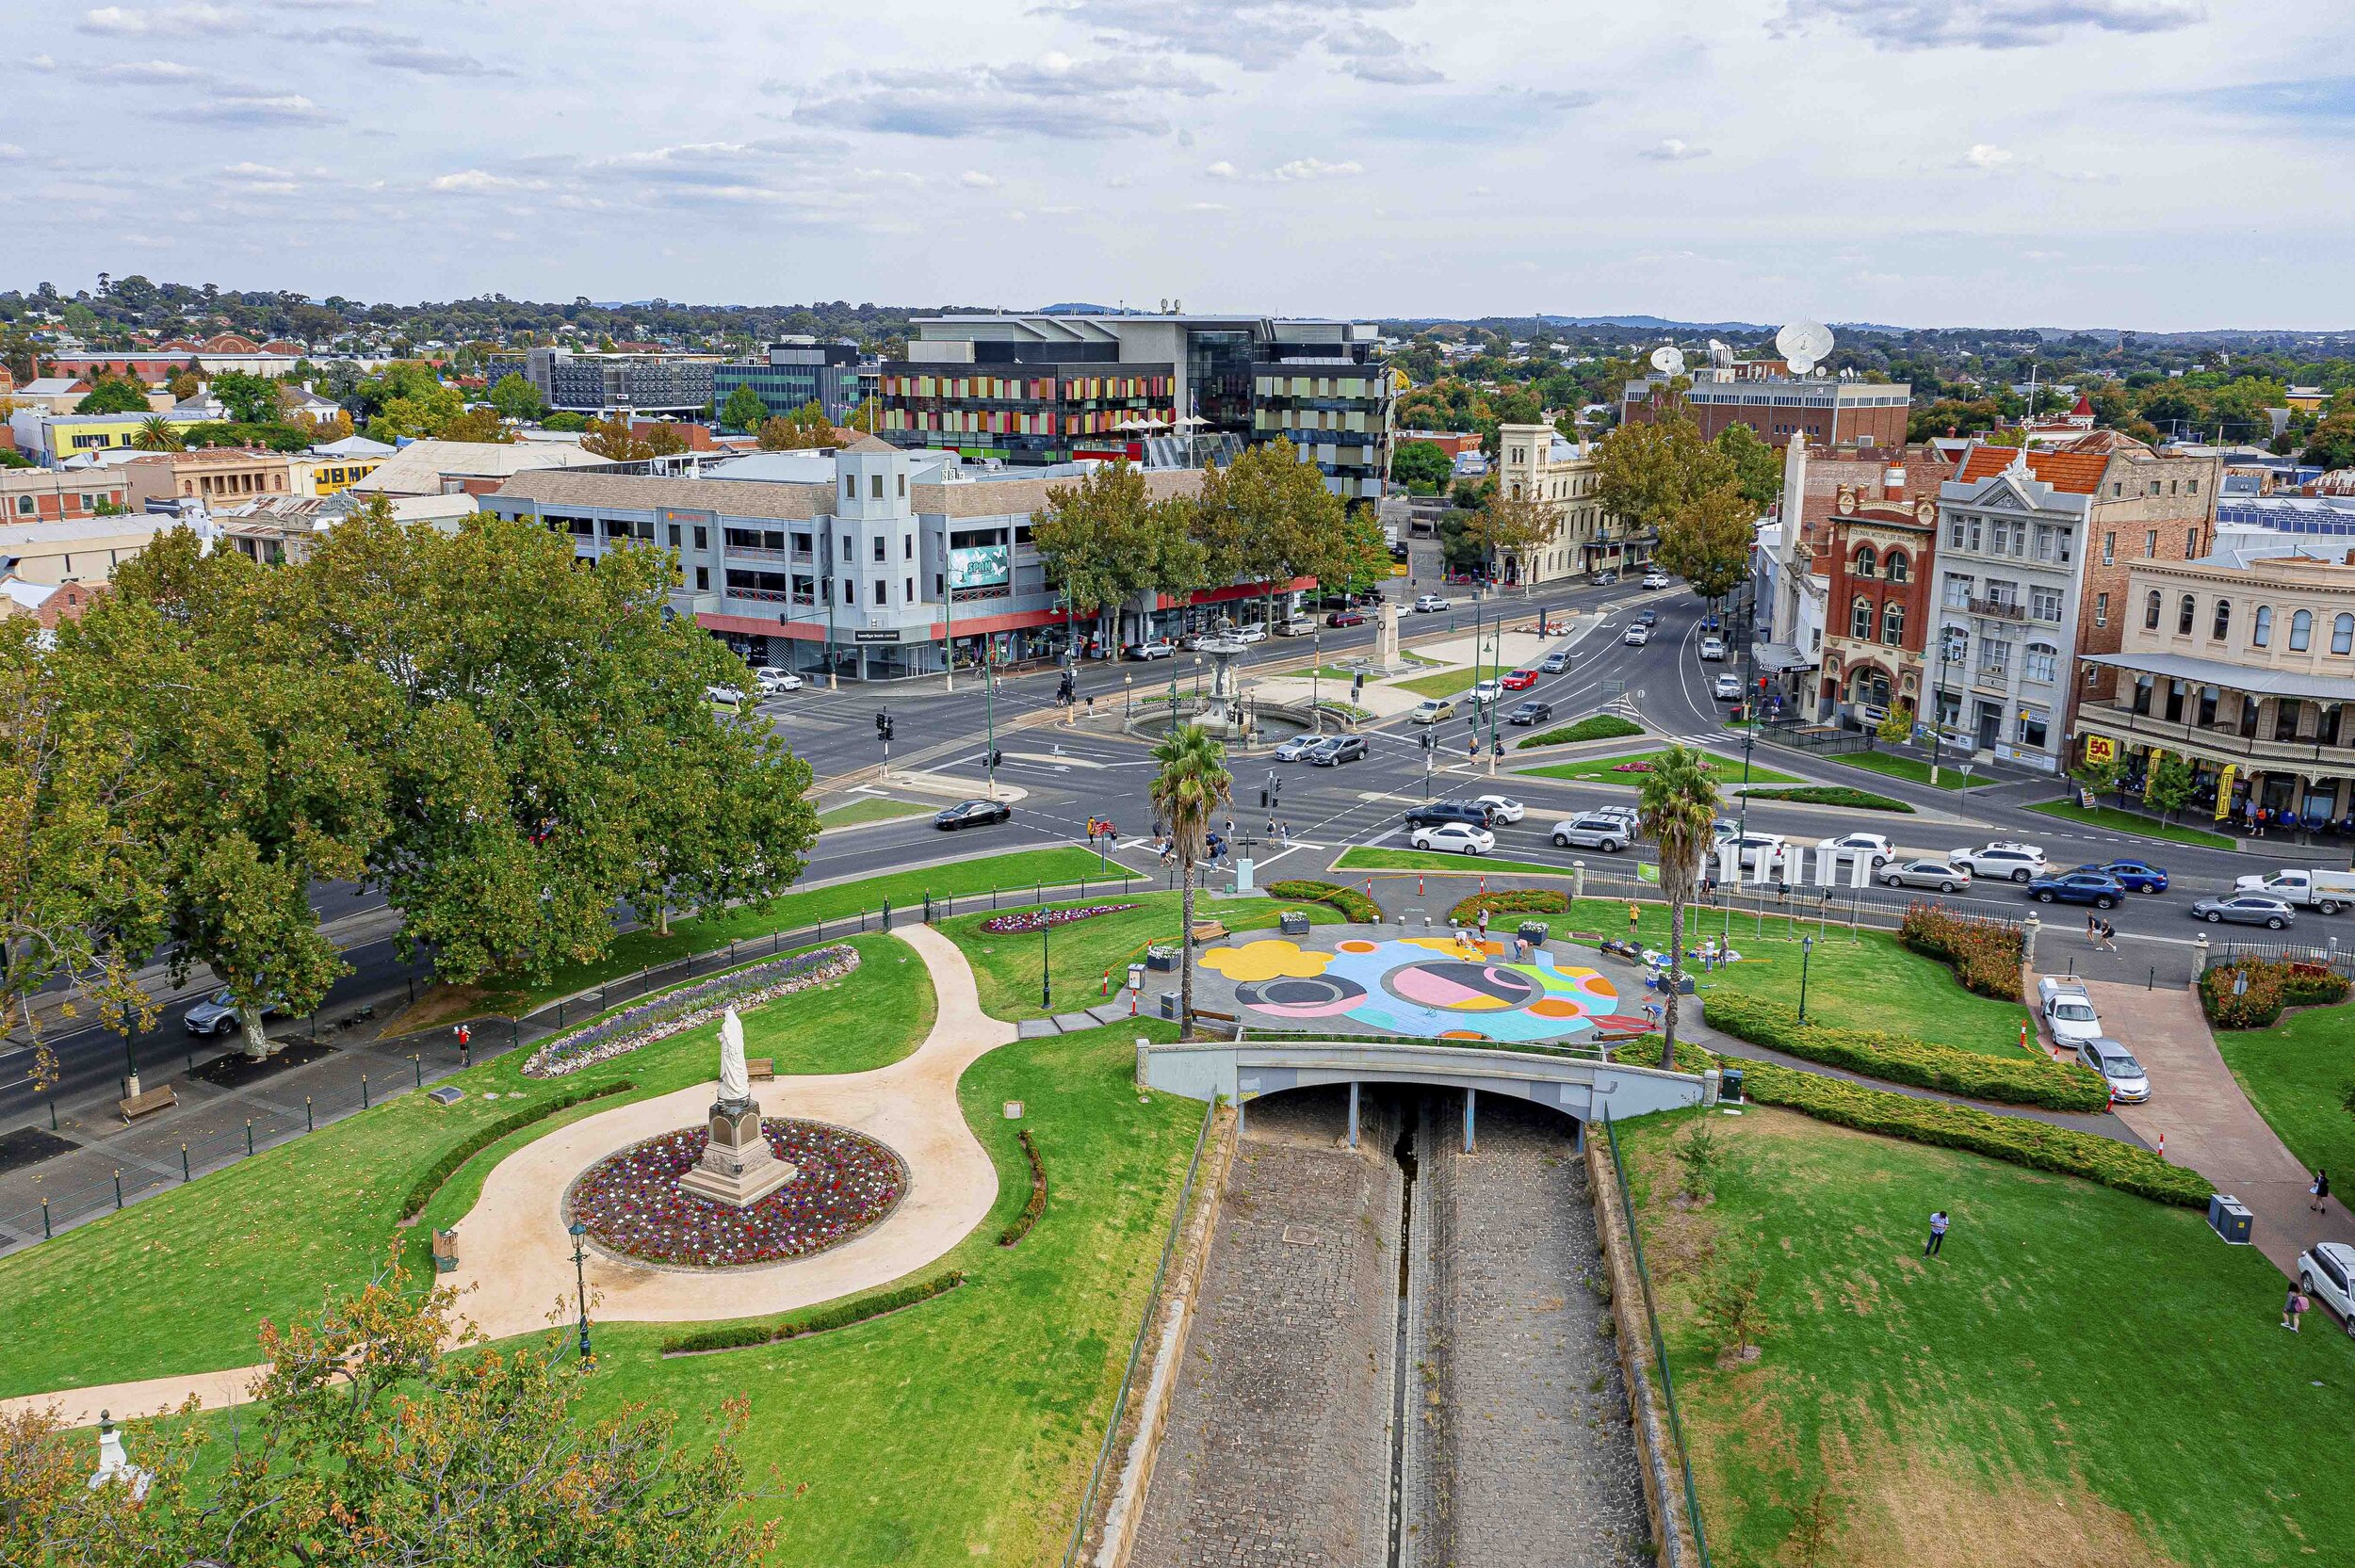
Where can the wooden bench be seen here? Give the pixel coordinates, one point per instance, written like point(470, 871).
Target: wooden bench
point(760, 1069)
point(444, 1251)
point(1210, 930)
point(147, 1103)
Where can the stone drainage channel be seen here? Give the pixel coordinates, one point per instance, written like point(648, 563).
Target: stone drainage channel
point(1399, 1355)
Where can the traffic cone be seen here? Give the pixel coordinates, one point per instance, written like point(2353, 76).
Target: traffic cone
point(2162, 1145)
point(1418, 884)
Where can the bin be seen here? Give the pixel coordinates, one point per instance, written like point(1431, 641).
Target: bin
point(1169, 1006)
point(2230, 1219)
point(1730, 1084)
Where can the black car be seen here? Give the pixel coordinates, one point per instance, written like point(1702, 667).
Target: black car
point(973, 814)
point(1335, 749)
point(1432, 813)
point(1647, 618)
point(1531, 712)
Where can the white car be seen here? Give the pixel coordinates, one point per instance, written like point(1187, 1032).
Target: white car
point(1655, 579)
point(1483, 694)
point(1426, 604)
point(1846, 851)
point(2002, 858)
point(1753, 846)
point(1455, 839)
point(725, 696)
point(1593, 829)
point(1714, 650)
point(1297, 626)
point(2326, 1270)
point(1728, 687)
point(1637, 636)
point(1501, 808)
point(774, 680)
point(2068, 1011)
point(1249, 633)
point(1157, 648)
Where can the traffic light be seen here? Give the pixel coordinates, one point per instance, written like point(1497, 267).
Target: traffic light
point(996, 757)
point(883, 728)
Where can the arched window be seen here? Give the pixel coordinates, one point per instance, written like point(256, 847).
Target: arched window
point(1895, 567)
point(1860, 618)
point(1864, 561)
point(2151, 612)
point(2183, 614)
point(2223, 620)
point(2042, 662)
point(2261, 631)
point(2343, 635)
point(1892, 622)
point(1870, 685)
point(2302, 631)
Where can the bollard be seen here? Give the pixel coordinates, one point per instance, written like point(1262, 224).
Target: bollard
point(118, 1191)
point(886, 914)
point(44, 1220)
point(2152, 984)
point(308, 1124)
point(364, 1096)
point(53, 1115)
point(185, 1177)
point(417, 1067)
point(249, 1134)
point(1578, 879)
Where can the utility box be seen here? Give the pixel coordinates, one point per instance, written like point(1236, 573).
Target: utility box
point(2230, 1219)
point(1728, 1084)
point(1136, 977)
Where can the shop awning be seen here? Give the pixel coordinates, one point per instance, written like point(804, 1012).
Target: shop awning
point(1776, 657)
point(2236, 678)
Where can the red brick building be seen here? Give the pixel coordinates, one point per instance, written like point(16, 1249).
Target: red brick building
point(1824, 411)
point(1873, 523)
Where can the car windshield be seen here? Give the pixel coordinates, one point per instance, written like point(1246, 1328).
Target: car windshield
point(223, 999)
point(2121, 1067)
point(2076, 1013)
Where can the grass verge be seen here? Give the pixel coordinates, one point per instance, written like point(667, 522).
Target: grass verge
point(1445, 683)
point(1358, 857)
point(2110, 819)
point(1595, 726)
point(1727, 770)
point(1911, 768)
point(874, 808)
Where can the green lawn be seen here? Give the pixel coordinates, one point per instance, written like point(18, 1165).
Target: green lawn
point(177, 1283)
point(1358, 857)
point(1600, 769)
point(1006, 966)
point(1446, 683)
point(2027, 1398)
point(2110, 819)
point(1896, 767)
point(2298, 1075)
point(871, 808)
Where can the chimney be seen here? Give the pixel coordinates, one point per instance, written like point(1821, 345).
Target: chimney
point(2350, 558)
point(1894, 482)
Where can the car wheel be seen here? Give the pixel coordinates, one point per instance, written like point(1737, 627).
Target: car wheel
point(2326, 907)
point(2273, 922)
point(1879, 861)
point(1892, 882)
point(2021, 875)
point(2215, 919)
point(2045, 896)
point(1943, 887)
point(226, 1026)
point(2105, 902)
point(1612, 846)
point(1561, 841)
point(2148, 887)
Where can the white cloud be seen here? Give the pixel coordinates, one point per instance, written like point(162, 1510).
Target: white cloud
point(1208, 206)
point(1986, 154)
point(1221, 171)
point(1673, 150)
point(477, 182)
point(973, 178)
point(1986, 24)
point(42, 62)
point(10, 151)
point(257, 110)
point(1314, 168)
point(1052, 96)
point(149, 70)
point(131, 22)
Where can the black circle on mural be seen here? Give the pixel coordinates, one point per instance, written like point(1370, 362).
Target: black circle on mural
point(1450, 983)
point(1300, 991)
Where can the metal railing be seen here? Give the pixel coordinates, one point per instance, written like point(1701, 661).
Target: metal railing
point(1659, 1345)
point(2232, 950)
point(1136, 1351)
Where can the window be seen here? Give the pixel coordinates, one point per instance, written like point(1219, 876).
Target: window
point(2033, 729)
point(874, 486)
point(883, 550)
point(24, 504)
point(850, 487)
point(2343, 635)
point(2223, 621)
point(1864, 561)
point(2150, 542)
point(1958, 590)
point(674, 536)
point(904, 488)
point(2285, 718)
point(1994, 659)
point(2101, 610)
point(2041, 663)
point(2302, 631)
point(2142, 693)
point(2191, 487)
point(907, 591)
point(1953, 532)
point(1860, 618)
point(2045, 603)
point(2261, 629)
point(2151, 612)
point(2109, 549)
point(2183, 615)
point(2208, 695)
point(2248, 716)
point(1893, 566)
point(703, 537)
point(703, 579)
point(2191, 543)
point(850, 592)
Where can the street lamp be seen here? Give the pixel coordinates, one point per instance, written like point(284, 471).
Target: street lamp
point(580, 1285)
point(1950, 652)
point(1127, 698)
point(1807, 947)
point(1741, 823)
point(834, 681)
point(1046, 964)
point(989, 718)
point(1316, 670)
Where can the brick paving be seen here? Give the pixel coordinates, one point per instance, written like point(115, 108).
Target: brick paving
point(1277, 1446)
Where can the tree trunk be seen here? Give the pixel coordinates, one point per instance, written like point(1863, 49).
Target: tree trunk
point(1675, 968)
point(663, 918)
point(257, 1044)
point(1185, 953)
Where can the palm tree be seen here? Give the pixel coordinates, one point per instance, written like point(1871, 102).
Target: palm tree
point(1188, 792)
point(1678, 811)
point(155, 434)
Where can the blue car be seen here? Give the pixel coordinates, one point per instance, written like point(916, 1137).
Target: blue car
point(2098, 888)
point(2137, 876)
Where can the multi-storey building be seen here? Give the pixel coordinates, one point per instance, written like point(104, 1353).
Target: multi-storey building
point(574, 381)
point(214, 475)
point(51, 496)
point(54, 440)
point(84, 552)
point(1878, 541)
point(1829, 411)
point(797, 372)
point(1163, 390)
point(1536, 463)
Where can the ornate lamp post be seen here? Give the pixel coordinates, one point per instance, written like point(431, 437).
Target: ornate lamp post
point(1807, 948)
point(1046, 964)
point(580, 1285)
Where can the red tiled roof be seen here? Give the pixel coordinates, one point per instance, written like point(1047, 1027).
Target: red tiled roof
point(2075, 472)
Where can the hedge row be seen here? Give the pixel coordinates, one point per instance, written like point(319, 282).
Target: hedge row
point(1022, 1223)
point(1595, 726)
point(1985, 955)
point(1351, 901)
point(2272, 986)
point(1517, 901)
point(1831, 795)
point(838, 1314)
point(2021, 1080)
point(491, 1132)
point(2015, 1138)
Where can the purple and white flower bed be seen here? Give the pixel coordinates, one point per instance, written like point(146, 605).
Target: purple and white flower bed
point(1038, 919)
point(843, 1182)
point(675, 1012)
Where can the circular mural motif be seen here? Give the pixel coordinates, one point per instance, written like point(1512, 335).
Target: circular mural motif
point(1428, 987)
point(1461, 987)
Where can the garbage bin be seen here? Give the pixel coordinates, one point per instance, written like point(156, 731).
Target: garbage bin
point(1169, 1005)
point(2228, 1217)
point(1534, 931)
point(1730, 1084)
point(1293, 922)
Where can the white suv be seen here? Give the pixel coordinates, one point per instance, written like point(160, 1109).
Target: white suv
point(2019, 862)
point(1655, 579)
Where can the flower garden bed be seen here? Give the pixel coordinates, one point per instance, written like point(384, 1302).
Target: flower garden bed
point(1022, 921)
point(843, 1183)
point(676, 1011)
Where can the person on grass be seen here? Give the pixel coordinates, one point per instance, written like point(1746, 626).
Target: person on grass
point(1937, 1234)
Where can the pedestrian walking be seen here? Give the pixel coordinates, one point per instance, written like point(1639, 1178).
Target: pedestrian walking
point(2293, 1306)
point(1271, 829)
point(1284, 833)
point(2107, 937)
point(2319, 1195)
point(1937, 1234)
point(2093, 930)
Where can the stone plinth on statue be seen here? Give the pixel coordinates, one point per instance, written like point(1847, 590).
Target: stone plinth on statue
point(738, 1167)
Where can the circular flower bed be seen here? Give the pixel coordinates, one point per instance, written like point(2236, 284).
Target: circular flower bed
point(1037, 919)
point(843, 1182)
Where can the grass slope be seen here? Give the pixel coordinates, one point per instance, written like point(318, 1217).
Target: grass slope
point(2110, 819)
point(2025, 1398)
point(2297, 1073)
point(1600, 771)
point(178, 1282)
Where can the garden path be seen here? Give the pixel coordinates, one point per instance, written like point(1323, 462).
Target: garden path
point(516, 1269)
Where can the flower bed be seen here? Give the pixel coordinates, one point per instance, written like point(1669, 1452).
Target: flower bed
point(2272, 986)
point(1985, 953)
point(1631, 767)
point(676, 1011)
point(1025, 920)
point(1511, 901)
point(843, 1182)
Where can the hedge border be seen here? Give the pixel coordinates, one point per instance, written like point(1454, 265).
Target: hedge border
point(2021, 1080)
point(1357, 905)
point(1843, 796)
point(1604, 727)
point(421, 1192)
point(839, 1315)
point(1020, 1225)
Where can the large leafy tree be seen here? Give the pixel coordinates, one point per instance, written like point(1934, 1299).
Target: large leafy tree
point(1706, 540)
point(614, 438)
point(1190, 789)
point(155, 434)
point(481, 425)
point(114, 394)
point(743, 410)
point(1645, 472)
point(1268, 518)
point(1105, 538)
point(515, 399)
point(806, 427)
point(1423, 466)
point(1757, 465)
point(2331, 442)
point(1512, 526)
point(251, 399)
point(1678, 810)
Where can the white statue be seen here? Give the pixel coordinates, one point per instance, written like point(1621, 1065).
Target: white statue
point(735, 1081)
point(207, 531)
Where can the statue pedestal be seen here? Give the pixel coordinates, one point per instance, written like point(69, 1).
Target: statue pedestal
point(738, 1167)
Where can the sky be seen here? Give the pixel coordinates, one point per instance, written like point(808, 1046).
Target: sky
point(2165, 165)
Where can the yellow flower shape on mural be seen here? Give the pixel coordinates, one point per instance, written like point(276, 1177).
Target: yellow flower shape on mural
point(1265, 960)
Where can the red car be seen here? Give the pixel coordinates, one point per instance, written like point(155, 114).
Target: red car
point(1520, 680)
point(1345, 618)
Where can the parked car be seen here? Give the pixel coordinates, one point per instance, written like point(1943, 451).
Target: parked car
point(1606, 579)
point(973, 814)
point(1714, 650)
point(2068, 1011)
point(1334, 749)
point(1433, 709)
point(1299, 746)
point(1655, 579)
point(1594, 831)
point(1157, 648)
point(2246, 908)
point(1531, 712)
point(2002, 858)
point(2126, 1077)
point(1753, 846)
point(1555, 662)
point(2098, 888)
point(1945, 875)
point(1428, 602)
point(1299, 625)
point(1520, 680)
point(2328, 892)
point(1249, 633)
point(772, 681)
point(1877, 850)
point(1432, 814)
point(1500, 808)
point(2326, 1271)
point(1728, 687)
point(2136, 876)
point(725, 696)
point(1455, 839)
point(216, 1014)
point(1637, 636)
point(1345, 618)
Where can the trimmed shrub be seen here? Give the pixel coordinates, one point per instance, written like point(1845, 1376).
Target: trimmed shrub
point(1022, 1224)
point(421, 1193)
point(1985, 955)
point(1517, 901)
point(1595, 726)
point(2020, 1081)
point(1351, 901)
point(837, 1314)
point(1831, 795)
point(2273, 985)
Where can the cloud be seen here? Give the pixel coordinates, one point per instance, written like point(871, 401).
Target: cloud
point(1221, 171)
point(1986, 154)
point(245, 109)
point(128, 22)
point(149, 70)
point(10, 151)
point(2317, 101)
point(1208, 206)
point(1052, 96)
point(255, 172)
point(1984, 23)
point(973, 178)
point(1674, 150)
point(1373, 54)
point(1314, 168)
point(393, 51)
point(42, 62)
point(1257, 35)
point(479, 182)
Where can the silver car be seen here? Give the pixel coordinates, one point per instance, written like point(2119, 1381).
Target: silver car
point(1594, 831)
point(216, 1014)
point(2244, 909)
point(1945, 876)
point(2128, 1081)
point(1296, 747)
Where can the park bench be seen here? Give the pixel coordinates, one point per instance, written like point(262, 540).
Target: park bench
point(759, 1068)
point(147, 1103)
point(444, 1251)
point(1210, 930)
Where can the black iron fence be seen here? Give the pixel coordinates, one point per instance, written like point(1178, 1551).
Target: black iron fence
point(2232, 950)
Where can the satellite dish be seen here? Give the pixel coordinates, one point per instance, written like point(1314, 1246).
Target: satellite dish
point(1803, 340)
point(1801, 366)
point(1669, 360)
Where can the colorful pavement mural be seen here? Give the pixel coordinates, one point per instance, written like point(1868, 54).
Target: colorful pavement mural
point(1429, 987)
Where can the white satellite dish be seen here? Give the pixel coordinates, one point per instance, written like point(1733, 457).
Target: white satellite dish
point(1803, 340)
point(1800, 367)
point(1669, 360)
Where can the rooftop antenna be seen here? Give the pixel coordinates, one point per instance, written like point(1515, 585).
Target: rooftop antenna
point(1802, 344)
point(1669, 360)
